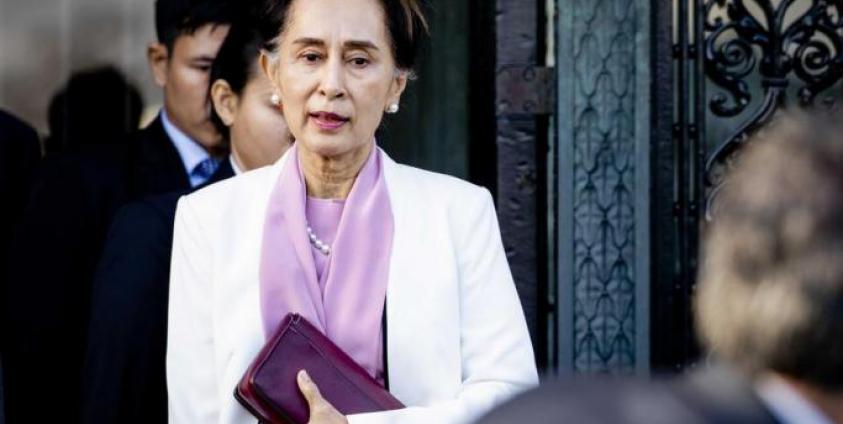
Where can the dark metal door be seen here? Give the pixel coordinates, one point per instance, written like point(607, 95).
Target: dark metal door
point(736, 65)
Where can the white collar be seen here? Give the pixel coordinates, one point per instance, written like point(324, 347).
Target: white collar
point(787, 404)
point(191, 152)
point(234, 167)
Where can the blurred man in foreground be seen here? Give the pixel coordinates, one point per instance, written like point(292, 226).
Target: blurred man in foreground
point(769, 306)
point(771, 296)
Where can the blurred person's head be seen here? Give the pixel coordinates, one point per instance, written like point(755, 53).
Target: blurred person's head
point(338, 65)
point(243, 111)
point(190, 33)
point(771, 283)
point(97, 106)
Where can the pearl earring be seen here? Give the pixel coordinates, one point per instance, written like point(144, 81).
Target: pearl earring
point(275, 100)
point(393, 108)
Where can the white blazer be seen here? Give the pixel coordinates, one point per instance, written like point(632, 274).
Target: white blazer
point(457, 340)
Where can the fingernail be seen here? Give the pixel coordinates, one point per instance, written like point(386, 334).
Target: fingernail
point(303, 376)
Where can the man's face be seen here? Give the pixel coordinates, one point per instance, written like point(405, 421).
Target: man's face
point(185, 78)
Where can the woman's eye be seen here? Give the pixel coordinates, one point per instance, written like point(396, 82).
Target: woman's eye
point(360, 61)
point(311, 57)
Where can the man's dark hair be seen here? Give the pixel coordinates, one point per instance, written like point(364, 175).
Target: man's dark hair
point(174, 18)
point(771, 280)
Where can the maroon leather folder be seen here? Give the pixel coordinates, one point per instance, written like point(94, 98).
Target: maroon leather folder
point(269, 389)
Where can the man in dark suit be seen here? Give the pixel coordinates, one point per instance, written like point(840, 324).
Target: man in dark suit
point(769, 305)
point(73, 203)
point(124, 372)
point(123, 378)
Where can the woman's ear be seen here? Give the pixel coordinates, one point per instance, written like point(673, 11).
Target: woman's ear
point(269, 66)
point(225, 101)
point(159, 59)
point(398, 86)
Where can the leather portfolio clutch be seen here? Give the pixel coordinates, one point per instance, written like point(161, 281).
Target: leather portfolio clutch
point(269, 389)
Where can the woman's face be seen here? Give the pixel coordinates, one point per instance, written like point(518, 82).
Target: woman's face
point(259, 135)
point(336, 74)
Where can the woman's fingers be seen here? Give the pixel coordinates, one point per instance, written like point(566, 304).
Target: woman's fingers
point(309, 390)
point(321, 412)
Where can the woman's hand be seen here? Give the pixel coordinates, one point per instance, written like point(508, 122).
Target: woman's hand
point(321, 412)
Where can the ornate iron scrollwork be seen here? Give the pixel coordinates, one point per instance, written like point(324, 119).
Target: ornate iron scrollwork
point(740, 40)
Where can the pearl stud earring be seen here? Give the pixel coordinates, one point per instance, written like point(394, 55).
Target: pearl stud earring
point(393, 108)
point(275, 99)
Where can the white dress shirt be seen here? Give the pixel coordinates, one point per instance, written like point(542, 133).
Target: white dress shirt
point(787, 405)
point(191, 152)
point(234, 166)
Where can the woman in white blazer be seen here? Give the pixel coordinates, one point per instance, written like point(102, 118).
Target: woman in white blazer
point(341, 234)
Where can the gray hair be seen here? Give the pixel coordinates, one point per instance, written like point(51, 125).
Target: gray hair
point(771, 276)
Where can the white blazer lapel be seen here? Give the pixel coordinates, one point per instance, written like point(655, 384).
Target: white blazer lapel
point(238, 322)
point(422, 296)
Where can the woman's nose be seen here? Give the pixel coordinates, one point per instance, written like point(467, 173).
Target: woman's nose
point(333, 82)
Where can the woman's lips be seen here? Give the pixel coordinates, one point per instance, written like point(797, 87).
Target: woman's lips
point(328, 121)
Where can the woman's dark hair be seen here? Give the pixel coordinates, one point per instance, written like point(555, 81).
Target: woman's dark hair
point(405, 19)
point(236, 63)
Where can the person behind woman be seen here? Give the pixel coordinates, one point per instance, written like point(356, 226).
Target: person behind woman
point(124, 367)
point(339, 233)
point(245, 110)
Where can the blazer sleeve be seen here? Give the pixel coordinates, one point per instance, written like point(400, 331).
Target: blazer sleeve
point(496, 352)
point(191, 382)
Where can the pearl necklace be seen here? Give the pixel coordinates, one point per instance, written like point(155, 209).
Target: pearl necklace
point(321, 246)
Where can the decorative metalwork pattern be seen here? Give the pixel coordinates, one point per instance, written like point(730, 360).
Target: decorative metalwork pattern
point(604, 94)
point(780, 41)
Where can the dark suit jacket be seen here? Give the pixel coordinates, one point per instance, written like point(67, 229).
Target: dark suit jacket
point(124, 374)
point(721, 394)
point(54, 258)
point(713, 396)
point(19, 155)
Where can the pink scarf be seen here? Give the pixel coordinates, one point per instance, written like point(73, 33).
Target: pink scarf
point(350, 310)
